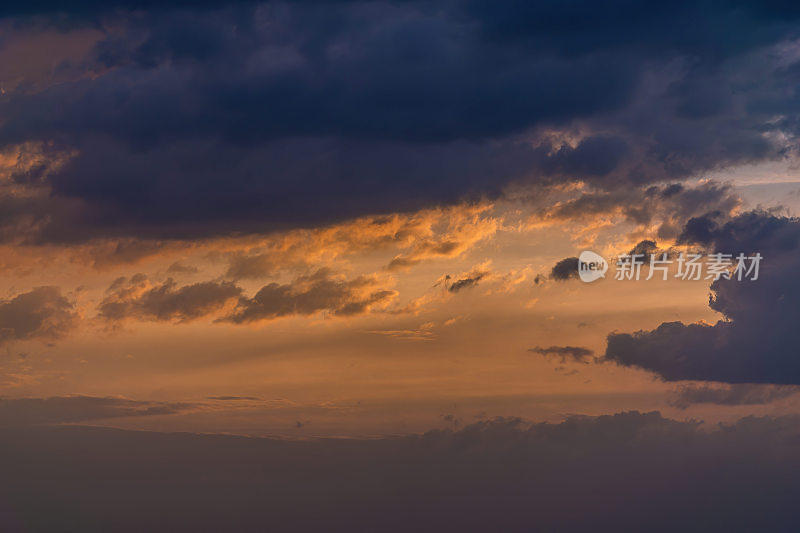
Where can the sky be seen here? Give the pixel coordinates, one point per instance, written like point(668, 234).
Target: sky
point(338, 233)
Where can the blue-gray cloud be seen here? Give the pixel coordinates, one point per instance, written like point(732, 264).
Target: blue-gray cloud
point(757, 341)
point(196, 119)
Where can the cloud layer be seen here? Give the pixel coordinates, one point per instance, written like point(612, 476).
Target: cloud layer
point(738, 394)
point(627, 472)
point(188, 119)
point(21, 412)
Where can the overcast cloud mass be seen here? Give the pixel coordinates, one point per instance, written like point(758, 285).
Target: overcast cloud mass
point(198, 118)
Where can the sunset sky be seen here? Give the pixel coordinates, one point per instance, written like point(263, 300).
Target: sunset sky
point(306, 220)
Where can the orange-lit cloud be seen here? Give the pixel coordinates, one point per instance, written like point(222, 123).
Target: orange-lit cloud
point(139, 298)
point(309, 294)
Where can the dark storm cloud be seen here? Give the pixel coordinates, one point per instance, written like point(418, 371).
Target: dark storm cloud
point(738, 394)
point(758, 340)
point(754, 230)
point(79, 9)
point(279, 185)
point(138, 298)
point(565, 269)
point(309, 294)
point(41, 313)
point(64, 409)
point(249, 117)
point(627, 472)
point(574, 353)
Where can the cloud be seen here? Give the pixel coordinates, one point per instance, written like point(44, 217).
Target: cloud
point(312, 293)
point(573, 353)
point(137, 297)
point(69, 409)
point(234, 398)
point(419, 236)
point(629, 471)
point(42, 313)
point(565, 269)
point(361, 108)
point(78, 12)
point(466, 228)
point(471, 279)
point(754, 230)
point(179, 268)
point(465, 283)
point(114, 252)
point(667, 207)
point(738, 394)
point(757, 340)
point(646, 247)
point(140, 298)
point(423, 333)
